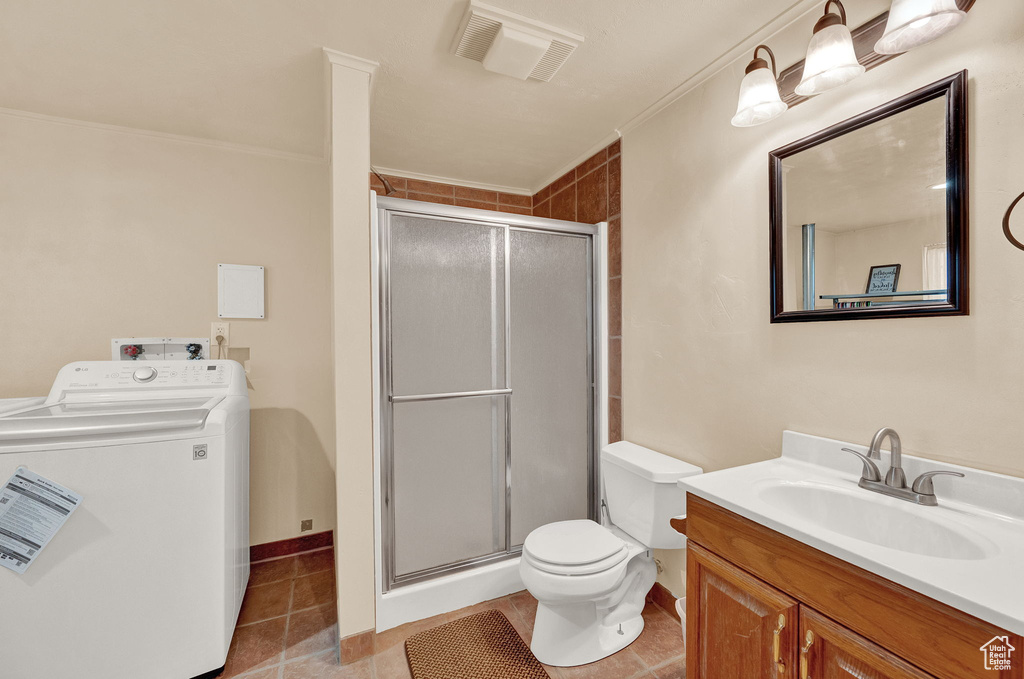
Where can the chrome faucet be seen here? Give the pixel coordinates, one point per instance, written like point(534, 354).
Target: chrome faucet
point(894, 478)
point(895, 485)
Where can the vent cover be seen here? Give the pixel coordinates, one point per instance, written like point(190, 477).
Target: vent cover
point(480, 27)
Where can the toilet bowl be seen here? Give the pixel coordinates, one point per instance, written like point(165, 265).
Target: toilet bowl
point(591, 580)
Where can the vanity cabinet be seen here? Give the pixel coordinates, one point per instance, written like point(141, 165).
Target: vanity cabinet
point(754, 595)
point(830, 651)
point(742, 627)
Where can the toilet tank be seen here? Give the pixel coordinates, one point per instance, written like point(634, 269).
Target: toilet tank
point(641, 492)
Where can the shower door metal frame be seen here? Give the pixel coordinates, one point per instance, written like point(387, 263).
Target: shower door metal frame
point(386, 207)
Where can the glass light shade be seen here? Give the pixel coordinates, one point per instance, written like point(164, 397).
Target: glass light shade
point(759, 99)
point(917, 22)
point(831, 61)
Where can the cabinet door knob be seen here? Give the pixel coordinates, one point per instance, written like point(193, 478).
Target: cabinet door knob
point(804, 655)
point(777, 645)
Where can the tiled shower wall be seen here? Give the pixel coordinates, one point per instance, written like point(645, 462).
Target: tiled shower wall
point(588, 193)
point(591, 192)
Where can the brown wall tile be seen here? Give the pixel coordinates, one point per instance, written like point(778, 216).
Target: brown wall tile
point(434, 188)
point(480, 195)
point(614, 186)
point(515, 199)
point(614, 419)
point(615, 307)
point(565, 180)
point(476, 204)
point(615, 367)
point(515, 210)
point(592, 196)
point(615, 247)
point(542, 195)
point(431, 198)
point(592, 193)
point(563, 204)
point(591, 163)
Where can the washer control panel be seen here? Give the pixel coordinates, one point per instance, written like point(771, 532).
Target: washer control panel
point(146, 374)
point(151, 374)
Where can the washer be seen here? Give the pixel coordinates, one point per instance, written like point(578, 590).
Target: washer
point(146, 578)
point(9, 405)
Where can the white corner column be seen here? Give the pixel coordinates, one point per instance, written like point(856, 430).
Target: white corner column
point(348, 101)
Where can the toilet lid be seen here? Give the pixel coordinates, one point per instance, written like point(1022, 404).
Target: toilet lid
point(572, 543)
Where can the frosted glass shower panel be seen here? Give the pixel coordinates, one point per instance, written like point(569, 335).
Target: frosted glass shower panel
point(551, 363)
point(449, 481)
point(447, 306)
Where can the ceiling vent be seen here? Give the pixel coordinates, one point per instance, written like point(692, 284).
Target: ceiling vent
point(513, 44)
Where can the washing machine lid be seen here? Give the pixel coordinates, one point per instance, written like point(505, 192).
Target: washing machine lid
point(573, 543)
point(67, 419)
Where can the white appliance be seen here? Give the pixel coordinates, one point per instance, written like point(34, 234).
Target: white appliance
point(8, 405)
point(145, 580)
point(590, 580)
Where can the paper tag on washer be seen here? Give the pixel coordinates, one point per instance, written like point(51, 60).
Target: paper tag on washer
point(32, 510)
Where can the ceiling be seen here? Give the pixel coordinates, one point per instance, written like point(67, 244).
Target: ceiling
point(875, 176)
point(250, 72)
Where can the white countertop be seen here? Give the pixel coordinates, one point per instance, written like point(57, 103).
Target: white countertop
point(985, 509)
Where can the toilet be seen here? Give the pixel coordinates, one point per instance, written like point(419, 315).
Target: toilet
point(591, 580)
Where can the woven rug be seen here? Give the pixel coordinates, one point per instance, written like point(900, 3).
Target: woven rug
point(481, 646)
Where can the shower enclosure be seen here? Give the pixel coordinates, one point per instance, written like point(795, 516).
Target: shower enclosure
point(487, 384)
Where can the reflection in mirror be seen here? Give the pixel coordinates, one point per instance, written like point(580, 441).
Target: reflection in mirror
point(873, 200)
point(864, 214)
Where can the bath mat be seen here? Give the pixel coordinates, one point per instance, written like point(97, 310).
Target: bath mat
point(481, 646)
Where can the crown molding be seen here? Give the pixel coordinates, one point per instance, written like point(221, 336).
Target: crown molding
point(519, 191)
point(167, 136)
point(350, 61)
point(777, 25)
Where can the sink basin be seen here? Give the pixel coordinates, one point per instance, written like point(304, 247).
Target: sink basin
point(858, 514)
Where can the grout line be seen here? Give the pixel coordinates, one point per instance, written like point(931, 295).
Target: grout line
point(287, 624)
point(288, 556)
point(256, 622)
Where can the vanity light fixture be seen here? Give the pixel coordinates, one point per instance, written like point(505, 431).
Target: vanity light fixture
point(913, 23)
point(760, 100)
point(831, 59)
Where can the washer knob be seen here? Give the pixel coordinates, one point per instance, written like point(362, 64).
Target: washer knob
point(145, 374)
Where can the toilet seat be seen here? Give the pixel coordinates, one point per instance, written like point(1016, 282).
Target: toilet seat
point(580, 547)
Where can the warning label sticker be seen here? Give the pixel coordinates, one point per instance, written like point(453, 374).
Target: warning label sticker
point(32, 510)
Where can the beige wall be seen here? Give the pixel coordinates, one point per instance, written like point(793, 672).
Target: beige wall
point(708, 379)
point(110, 233)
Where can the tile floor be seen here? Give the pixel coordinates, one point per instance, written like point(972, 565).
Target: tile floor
point(287, 630)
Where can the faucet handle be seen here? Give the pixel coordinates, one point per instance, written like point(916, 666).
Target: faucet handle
point(923, 483)
point(871, 472)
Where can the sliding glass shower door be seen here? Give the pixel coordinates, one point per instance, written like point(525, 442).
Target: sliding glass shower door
point(488, 394)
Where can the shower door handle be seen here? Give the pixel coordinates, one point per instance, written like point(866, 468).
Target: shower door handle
point(451, 394)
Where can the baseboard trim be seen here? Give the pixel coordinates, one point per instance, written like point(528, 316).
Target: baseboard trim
point(663, 599)
point(303, 543)
point(355, 647)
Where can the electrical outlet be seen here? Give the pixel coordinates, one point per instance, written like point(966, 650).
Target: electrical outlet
point(220, 328)
point(307, 524)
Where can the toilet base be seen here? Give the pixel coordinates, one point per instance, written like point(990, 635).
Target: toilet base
point(567, 635)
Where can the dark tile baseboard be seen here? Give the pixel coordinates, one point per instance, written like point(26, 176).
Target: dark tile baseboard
point(664, 599)
point(303, 543)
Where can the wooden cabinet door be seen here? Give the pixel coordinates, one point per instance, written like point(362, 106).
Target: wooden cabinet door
point(830, 651)
point(737, 627)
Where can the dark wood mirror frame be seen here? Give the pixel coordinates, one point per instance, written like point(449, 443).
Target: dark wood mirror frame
point(954, 89)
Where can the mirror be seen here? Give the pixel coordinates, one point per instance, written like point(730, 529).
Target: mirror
point(869, 217)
